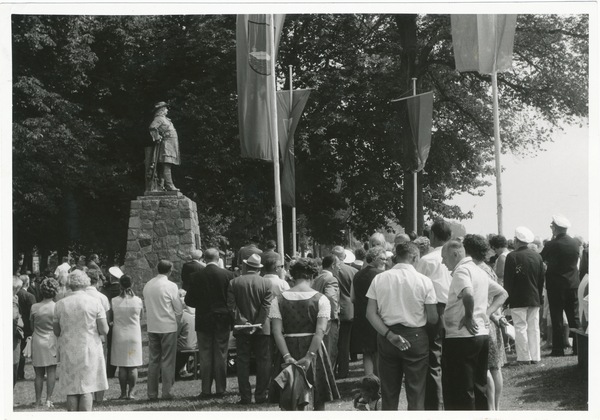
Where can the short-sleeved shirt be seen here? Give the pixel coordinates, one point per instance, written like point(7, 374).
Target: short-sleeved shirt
point(431, 266)
point(401, 294)
point(467, 274)
point(278, 286)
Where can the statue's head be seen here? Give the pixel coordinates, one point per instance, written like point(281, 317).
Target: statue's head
point(160, 106)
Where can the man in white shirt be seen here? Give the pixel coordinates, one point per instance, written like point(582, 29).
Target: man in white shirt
point(63, 268)
point(465, 355)
point(164, 310)
point(431, 266)
point(401, 303)
point(272, 269)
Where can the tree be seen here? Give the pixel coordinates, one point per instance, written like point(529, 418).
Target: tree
point(84, 87)
point(351, 141)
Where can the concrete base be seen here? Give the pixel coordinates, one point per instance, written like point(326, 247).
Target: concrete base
point(162, 225)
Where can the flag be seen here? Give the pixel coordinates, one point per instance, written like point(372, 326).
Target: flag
point(286, 126)
point(483, 43)
point(420, 113)
point(255, 83)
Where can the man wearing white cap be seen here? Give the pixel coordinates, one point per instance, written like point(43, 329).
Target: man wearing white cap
point(562, 280)
point(524, 282)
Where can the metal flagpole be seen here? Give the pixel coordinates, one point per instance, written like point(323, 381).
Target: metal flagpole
point(275, 145)
point(497, 150)
point(293, 208)
point(414, 80)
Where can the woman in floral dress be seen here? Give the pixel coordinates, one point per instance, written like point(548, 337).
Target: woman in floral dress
point(79, 321)
point(298, 322)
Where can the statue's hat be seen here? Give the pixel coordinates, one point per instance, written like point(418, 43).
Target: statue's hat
point(160, 105)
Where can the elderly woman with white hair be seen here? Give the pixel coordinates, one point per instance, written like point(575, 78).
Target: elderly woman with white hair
point(79, 321)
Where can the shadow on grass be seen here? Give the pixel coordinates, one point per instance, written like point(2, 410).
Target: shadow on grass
point(565, 385)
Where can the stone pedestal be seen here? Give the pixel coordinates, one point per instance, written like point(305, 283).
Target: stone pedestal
point(162, 225)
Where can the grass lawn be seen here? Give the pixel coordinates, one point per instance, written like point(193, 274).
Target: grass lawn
point(554, 384)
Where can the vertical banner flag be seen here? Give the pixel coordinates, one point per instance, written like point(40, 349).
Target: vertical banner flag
point(286, 127)
point(483, 43)
point(255, 83)
point(420, 114)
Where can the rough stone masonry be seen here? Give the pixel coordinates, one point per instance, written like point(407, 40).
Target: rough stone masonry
point(161, 226)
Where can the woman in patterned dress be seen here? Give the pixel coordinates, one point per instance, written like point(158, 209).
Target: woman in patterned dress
point(298, 322)
point(79, 321)
point(43, 341)
point(126, 349)
point(477, 248)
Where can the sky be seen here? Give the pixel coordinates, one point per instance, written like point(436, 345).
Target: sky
point(536, 187)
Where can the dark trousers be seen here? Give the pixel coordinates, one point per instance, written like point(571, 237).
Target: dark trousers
point(560, 300)
point(21, 368)
point(464, 373)
point(343, 355)
point(411, 363)
point(213, 346)
point(331, 339)
point(434, 398)
point(260, 345)
point(110, 369)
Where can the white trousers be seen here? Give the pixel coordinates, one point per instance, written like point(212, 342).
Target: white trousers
point(527, 333)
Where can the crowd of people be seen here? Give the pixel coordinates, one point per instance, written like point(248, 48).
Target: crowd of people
point(434, 312)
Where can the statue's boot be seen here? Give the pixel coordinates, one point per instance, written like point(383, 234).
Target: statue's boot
point(169, 186)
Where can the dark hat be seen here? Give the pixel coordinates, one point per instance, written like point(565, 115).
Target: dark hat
point(160, 105)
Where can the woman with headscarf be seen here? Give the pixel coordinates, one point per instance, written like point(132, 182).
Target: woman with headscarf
point(298, 322)
point(79, 321)
point(477, 247)
point(43, 342)
point(126, 349)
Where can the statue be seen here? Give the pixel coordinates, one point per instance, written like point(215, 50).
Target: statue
point(164, 153)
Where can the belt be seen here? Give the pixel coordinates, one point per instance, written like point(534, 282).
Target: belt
point(298, 335)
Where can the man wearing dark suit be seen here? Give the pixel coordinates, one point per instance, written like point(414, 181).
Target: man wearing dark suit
point(345, 276)
point(327, 284)
point(562, 280)
point(524, 282)
point(268, 253)
point(249, 302)
point(208, 294)
point(191, 267)
point(111, 289)
point(246, 251)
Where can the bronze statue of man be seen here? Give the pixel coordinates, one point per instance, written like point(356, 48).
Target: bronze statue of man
point(166, 146)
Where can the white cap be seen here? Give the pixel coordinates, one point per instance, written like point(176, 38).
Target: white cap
point(115, 272)
point(350, 257)
point(561, 221)
point(524, 235)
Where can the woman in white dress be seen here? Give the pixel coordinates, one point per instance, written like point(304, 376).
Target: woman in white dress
point(43, 342)
point(79, 321)
point(126, 350)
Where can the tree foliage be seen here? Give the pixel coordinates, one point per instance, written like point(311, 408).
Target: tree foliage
point(83, 88)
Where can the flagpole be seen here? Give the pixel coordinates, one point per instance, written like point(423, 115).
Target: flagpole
point(293, 208)
point(497, 150)
point(275, 145)
point(414, 80)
